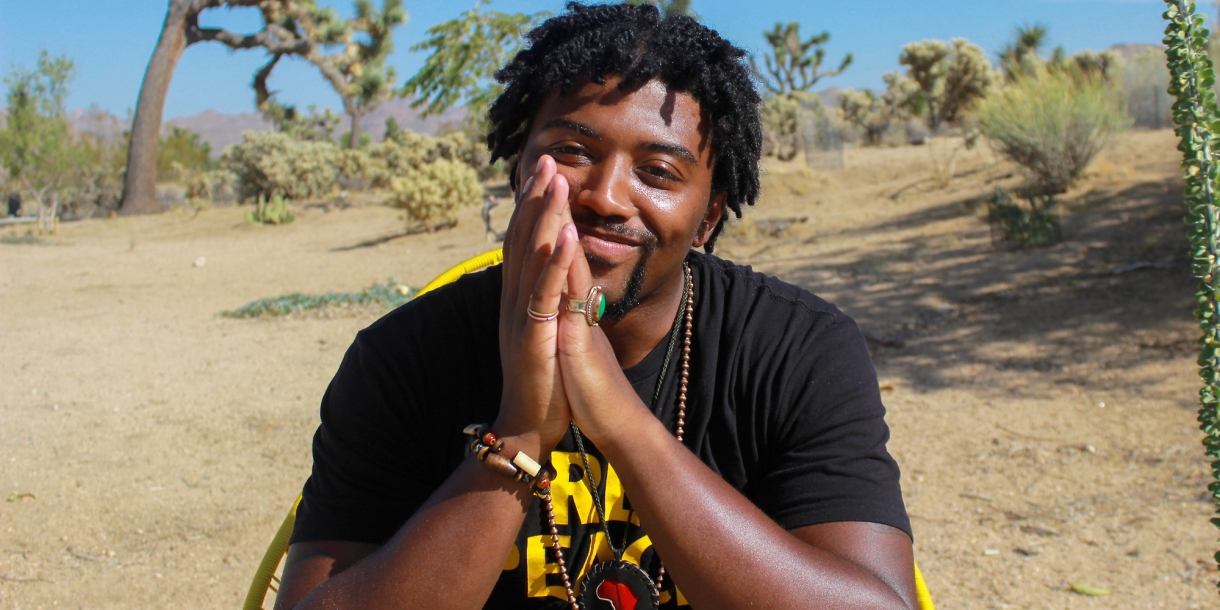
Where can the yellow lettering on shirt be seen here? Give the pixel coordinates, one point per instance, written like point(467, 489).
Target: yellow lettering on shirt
point(567, 495)
point(564, 488)
point(514, 558)
point(536, 567)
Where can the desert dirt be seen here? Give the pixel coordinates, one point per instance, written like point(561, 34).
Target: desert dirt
point(1042, 402)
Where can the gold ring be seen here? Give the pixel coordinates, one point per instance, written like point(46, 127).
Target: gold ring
point(593, 307)
point(541, 317)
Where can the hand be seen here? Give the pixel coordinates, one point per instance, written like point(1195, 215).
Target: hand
point(533, 405)
point(602, 401)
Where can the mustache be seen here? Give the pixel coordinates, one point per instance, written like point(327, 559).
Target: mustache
point(646, 239)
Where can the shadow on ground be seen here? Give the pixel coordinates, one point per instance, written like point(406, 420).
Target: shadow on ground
point(1114, 292)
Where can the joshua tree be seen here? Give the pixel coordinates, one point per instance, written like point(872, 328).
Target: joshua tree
point(1024, 53)
point(290, 27)
point(791, 67)
point(358, 73)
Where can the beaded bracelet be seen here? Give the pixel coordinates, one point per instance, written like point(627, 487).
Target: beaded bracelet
point(522, 467)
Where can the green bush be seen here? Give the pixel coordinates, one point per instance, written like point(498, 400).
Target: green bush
point(275, 212)
point(1038, 226)
point(409, 151)
point(182, 150)
point(388, 295)
point(267, 164)
point(216, 186)
point(431, 193)
point(1053, 124)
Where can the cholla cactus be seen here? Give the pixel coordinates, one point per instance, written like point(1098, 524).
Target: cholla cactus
point(267, 164)
point(1196, 114)
point(431, 193)
point(944, 79)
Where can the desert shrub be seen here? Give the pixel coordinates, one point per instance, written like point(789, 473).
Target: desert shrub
point(182, 149)
point(357, 167)
point(867, 112)
point(943, 80)
point(267, 164)
point(94, 183)
point(389, 295)
point(409, 151)
point(215, 186)
point(1053, 124)
point(1023, 228)
point(431, 193)
point(274, 212)
point(781, 117)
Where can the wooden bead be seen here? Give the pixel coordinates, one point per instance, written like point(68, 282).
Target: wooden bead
point(501, 465)
point(489, 439)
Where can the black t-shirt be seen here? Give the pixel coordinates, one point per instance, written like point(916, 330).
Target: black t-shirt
point(783, 404)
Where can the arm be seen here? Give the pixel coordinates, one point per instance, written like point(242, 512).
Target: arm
point(451, 551)
point(741, 558)
point(448, 555)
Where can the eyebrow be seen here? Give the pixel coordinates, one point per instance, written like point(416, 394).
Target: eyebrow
point(676, 150)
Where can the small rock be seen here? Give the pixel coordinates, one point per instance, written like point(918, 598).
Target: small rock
point(201, 261)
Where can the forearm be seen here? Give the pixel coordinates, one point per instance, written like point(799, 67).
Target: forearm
point(448, 555)
point(720, 549)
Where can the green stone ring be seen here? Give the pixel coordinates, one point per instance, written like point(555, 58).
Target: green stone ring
point(593, 307)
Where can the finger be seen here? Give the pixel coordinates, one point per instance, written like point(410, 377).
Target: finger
point(546, 231)
point(547, 295)
point(525, 215)
point(580, 280)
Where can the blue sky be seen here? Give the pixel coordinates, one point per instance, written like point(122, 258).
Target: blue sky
point(112, 40)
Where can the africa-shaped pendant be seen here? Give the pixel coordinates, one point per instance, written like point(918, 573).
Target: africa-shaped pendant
point(618, 585)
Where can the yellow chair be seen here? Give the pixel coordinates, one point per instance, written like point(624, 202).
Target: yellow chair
point(265, 578)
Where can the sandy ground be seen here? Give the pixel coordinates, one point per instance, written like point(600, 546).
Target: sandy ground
point(1042, 402)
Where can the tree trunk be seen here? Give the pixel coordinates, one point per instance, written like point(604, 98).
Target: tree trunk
point(353, 139)
point(140, 183)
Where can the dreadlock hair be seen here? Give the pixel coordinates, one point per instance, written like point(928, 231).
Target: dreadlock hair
point(634, 43)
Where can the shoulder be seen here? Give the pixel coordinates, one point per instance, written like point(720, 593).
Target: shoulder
point(463, 312)
point(761, 302)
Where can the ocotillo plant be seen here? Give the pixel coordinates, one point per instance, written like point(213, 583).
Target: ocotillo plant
point(1198, 125)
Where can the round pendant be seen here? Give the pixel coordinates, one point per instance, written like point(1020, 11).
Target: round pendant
point(618, 585)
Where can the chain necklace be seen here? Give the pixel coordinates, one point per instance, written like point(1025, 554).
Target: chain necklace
point(619, 582)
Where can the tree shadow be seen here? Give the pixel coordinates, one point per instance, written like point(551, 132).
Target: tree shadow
point(941, 310)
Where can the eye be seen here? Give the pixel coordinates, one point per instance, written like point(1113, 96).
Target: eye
point(567, 149)
point(659, 172)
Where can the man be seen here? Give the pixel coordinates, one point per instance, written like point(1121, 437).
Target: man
point(717, 428)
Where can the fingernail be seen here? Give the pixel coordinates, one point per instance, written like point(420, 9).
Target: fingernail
point(570, 230)
point(563, 239)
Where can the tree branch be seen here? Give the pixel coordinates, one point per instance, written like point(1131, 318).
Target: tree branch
point(272, 38)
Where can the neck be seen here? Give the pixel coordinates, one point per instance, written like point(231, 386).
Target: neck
point(648, 324)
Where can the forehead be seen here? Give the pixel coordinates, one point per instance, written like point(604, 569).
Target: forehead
point(652, 111)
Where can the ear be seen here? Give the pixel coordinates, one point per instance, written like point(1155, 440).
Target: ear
point(715, 211)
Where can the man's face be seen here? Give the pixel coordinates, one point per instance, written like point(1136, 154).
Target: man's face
point(639, 164)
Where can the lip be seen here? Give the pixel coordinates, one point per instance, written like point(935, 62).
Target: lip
point(606, 246)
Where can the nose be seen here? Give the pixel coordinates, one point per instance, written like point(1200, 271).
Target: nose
point(606, 189)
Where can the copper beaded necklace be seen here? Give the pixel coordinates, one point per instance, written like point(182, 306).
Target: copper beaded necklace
point(619, 578)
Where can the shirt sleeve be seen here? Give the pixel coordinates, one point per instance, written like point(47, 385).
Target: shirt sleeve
point(359, 490)
point(392, 417)
point(827, 460)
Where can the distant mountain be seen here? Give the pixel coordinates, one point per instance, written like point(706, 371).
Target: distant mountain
point(1127, 50)
point(220, 130)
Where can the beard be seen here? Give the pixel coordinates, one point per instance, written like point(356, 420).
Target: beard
point(619, 308)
